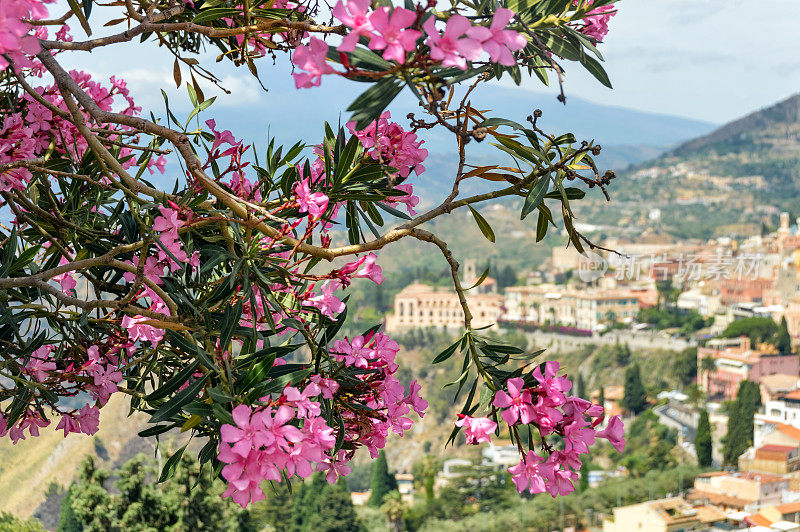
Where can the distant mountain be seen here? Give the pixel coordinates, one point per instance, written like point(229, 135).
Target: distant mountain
point(775, 128)
point(731, 181)
point(629, 136)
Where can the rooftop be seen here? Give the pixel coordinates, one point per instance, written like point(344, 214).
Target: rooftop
point(789, 508)
point(773, 449)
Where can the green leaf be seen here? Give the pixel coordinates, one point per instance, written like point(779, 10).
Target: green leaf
point(482, 278)
point(483, 225)
point(541, 226)
point(200, 107)
point(171, 464)
point(392, 211)
point(535, 196)
point(215, 13)
point(229, 321)
point(491, 122)
point(595, 69)
point(174, 382)
point(173, 406)
point(77, 10)
point(371, 103)
point(571, 193)
point(447, 353)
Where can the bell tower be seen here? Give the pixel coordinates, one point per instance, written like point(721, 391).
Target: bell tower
point(470, 270)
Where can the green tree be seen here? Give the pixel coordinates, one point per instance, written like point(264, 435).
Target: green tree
point(622, 354)
point(702, 440)
point(381, 481)
point(9, 523)
point(334, 511)
point(735, 442)
point(580, 387)
point(741, 412)
point(783, 342)
point(67, 521)
point(635, 398)
point(394, 508)
point(306, 501)
point(601, 398)
point(686, 366)
point(757, 329)
point(749, 397)
point(277, 509)
point(188, 500)
point(583, 480)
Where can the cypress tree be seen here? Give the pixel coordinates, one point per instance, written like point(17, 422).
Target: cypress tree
point(335, 511)
point(601, 399)
point(580, 387)
point(702, 441)
point(783, 342)
point(635, 398)
point(583, 481)
point(735, 438)
point(67, 521)
point(749, 398)
point(381, 481)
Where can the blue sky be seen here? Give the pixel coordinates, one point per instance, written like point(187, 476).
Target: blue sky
point(711, 60)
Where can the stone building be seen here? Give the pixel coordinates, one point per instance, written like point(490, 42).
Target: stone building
point(419, 305)
point(735, 361)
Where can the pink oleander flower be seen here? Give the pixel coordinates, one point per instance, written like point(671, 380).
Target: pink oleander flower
point(389, 143)
point(89, 419)
point(477, 429)
point(140, 331)
point(409, 199)
point(172, 244)
point(301, 401)
point(168, 221)
point(327, 387)
point(392, 34)
point(578, 436)
point(335, 467)
point(66, 280)
point(369, 268)
point(68, 424)
point(554, 387)
point(517, 402)
point(527, 475)
point(414, 400)
point(614, 433)
point(355, 15)
point(327, 303)
point(451, 48)
point(315, 204)
point(221, 137)
point(153, 270)
point(596, 21)
point(312, 59)
point(497, 41)
point(353, 353)
point(159, 164)
point(38, 368)
point(247, 434)
point(15, 40)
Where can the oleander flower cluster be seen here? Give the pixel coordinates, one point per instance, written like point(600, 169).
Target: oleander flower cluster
point(27, 134)
point(545, 406)
point(288, 435)
point(92, 374)
point(395, 32)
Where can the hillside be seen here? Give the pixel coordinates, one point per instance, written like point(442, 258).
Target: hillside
point(733, 181)
point(28, 468)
